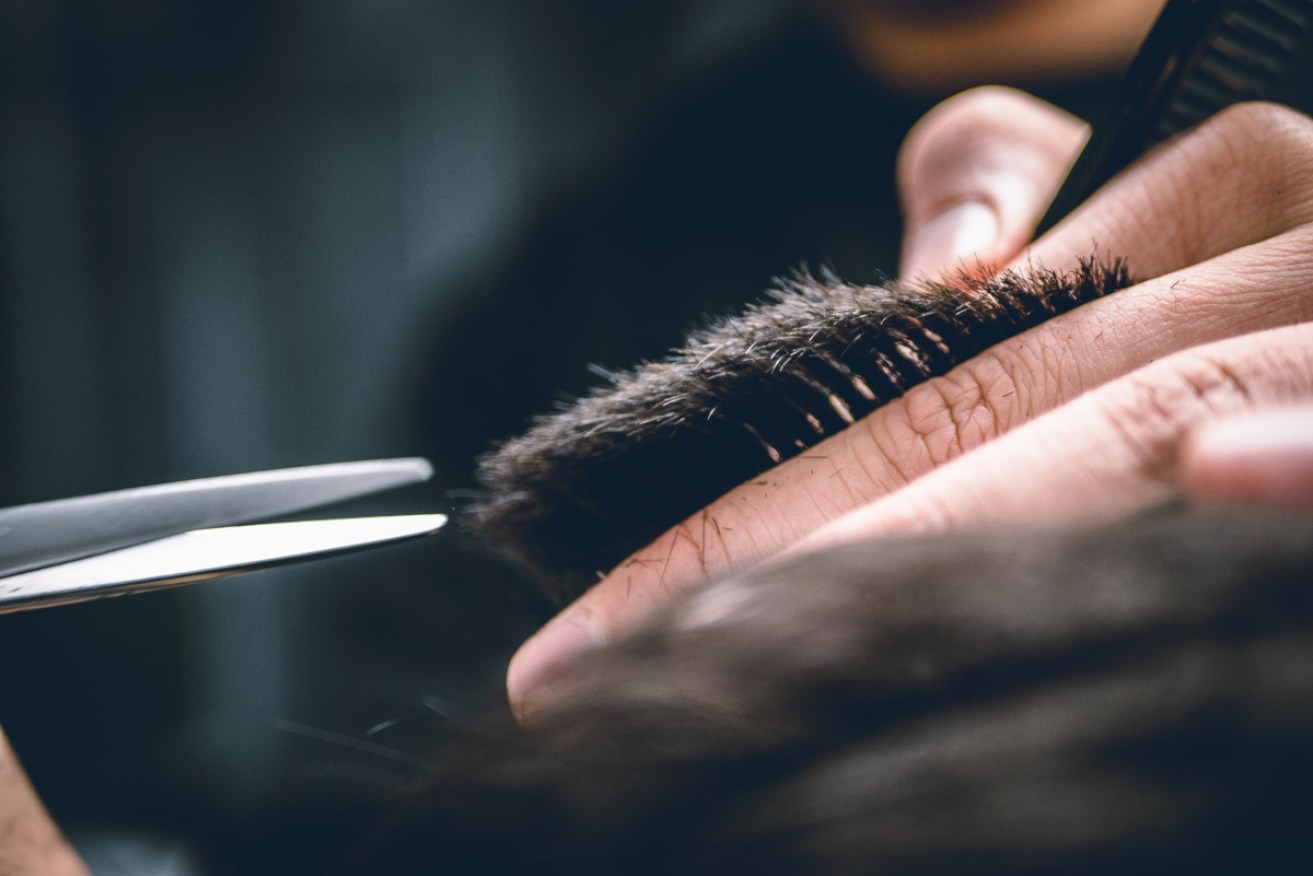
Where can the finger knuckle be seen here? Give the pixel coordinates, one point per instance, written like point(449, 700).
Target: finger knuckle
point(1272, 144)
point(1260, 121)
point(1151, 411)
point(952, 414)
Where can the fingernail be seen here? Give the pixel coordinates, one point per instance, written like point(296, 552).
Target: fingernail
point(966, 230)
point(1259, 458)
point(548, 656)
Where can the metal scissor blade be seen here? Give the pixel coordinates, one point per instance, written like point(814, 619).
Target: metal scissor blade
point(46, 533)
point(204, 554)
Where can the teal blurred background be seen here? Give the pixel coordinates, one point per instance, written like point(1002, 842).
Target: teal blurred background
point(229, 233)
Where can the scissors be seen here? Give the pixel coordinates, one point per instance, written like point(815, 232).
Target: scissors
point(127, 541)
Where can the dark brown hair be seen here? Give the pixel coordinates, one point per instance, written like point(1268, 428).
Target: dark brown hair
point(1133, 699)
point(588, 485)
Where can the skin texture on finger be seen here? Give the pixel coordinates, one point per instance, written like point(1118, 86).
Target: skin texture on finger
point(974, 176)
point(30, 844)
point(1107, 454)
point(1241, 177)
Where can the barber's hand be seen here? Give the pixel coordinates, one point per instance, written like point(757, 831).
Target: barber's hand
point(975, 176)
point(1093, 406)
point(30, 844)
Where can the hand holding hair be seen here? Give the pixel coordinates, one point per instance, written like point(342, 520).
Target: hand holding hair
point(1077, 419)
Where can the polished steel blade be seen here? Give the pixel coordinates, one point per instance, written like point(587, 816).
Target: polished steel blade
point(46, 533)
point(203, 554)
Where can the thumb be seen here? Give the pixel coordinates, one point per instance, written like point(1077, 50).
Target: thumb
point(1264, 457)
point(975, 175)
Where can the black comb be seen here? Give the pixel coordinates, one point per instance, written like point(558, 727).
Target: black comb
point(1201, 56)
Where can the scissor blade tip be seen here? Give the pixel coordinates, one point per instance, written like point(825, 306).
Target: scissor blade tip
point(416, 468)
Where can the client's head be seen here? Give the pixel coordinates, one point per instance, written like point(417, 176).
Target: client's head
point(1116, 700)
point(1128, 699)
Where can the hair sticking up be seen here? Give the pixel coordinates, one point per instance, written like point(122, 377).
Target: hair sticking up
point(589, 484)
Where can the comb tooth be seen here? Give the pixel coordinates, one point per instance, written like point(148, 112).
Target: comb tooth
point(871, 366)
point(1194, 107)
point(811, 423)
point(1278, 22)
point(1234, 74)
point(771, 425)
point(1273, 30)
point(844, 385)
point(1281, 13)
point(770, 450)
point(865, 384)
point(1239, 62)
point(812, 400)
point(1196, 101)
point(732, 443)
point(934, 357)
point(1244, 57)
point(829, 417)
point(1217, 84)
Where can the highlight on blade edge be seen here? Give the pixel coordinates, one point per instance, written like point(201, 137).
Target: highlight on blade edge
point(107, 544)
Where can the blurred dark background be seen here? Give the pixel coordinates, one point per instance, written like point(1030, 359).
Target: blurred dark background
point(254, 233)
point(230, 234)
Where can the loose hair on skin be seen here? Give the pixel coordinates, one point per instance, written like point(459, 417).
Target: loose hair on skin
point(1134, 699)
point(587, 485)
